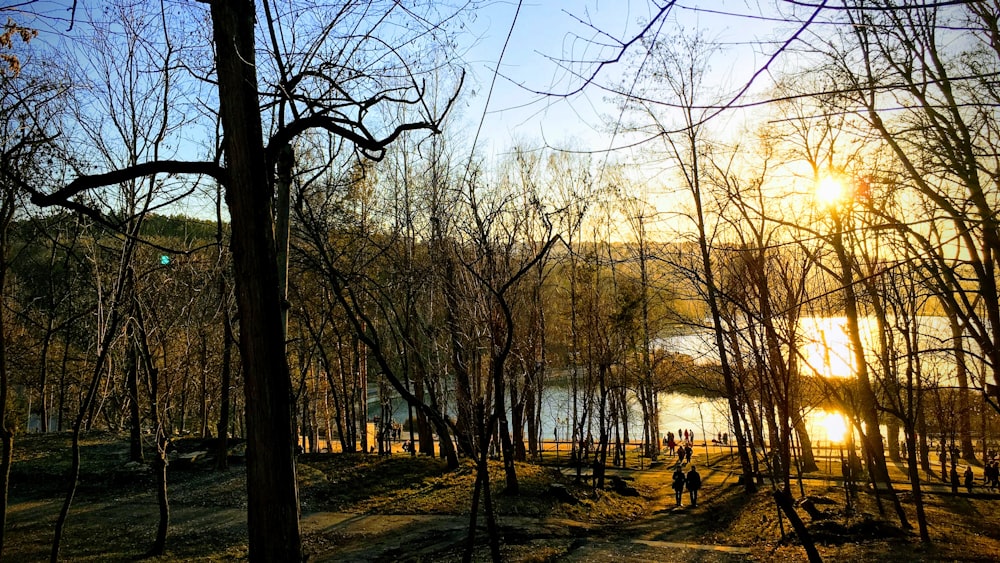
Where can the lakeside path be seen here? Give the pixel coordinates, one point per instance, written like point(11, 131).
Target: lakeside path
point(665, 533)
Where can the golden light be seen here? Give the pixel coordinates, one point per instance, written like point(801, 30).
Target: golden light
point(829, 190)
point(826, 347)
point(835, 426)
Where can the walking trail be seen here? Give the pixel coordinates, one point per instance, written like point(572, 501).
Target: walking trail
point(666, 533)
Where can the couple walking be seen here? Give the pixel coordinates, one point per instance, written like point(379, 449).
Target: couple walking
point(692, 481)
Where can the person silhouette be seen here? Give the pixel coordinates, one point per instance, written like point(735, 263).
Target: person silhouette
point(678, 484)
point(693, 482)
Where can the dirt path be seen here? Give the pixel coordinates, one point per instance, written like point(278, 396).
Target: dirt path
point(667, 533)
point(114, 514)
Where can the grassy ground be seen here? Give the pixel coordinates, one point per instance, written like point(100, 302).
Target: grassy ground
point(370, 508)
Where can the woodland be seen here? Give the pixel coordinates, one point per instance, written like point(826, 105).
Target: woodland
point(251, 221)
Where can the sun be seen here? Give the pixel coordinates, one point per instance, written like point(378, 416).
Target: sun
point(829, 190)
point(835, 426)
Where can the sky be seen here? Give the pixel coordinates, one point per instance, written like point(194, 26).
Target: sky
point(543, 31)
point(548, 38)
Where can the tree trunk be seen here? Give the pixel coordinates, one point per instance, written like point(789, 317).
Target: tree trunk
point(225, 378)
point(203, 408)
point(132, 384)
point(517, 423)
point(272, 491)
point(601, 455)
point(222, 428)
point(921, 416)
point(425, 437)
point(6, 435)
point(506, 445)
point(360, 371)
point(6, 458)
point(482, 487)
point(962, 374)
point(43, 375)
point(63, 384)
point(914, 472)
point(106, 337)
point(347, 443)
point(892, 437)
point(532, 400)
point(869, 412)
point(728, 379)
point(85, 404)
point(160, 463)
point(784, 502)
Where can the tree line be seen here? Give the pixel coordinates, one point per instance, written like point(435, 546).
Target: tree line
point(340, 249)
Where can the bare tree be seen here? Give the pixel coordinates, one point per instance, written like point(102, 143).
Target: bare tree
point(23, 125)
point(246, 175)
point(904, 58)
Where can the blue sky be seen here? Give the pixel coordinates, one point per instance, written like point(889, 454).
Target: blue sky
point(544, 31)
point(548, 29)
point(572, 30)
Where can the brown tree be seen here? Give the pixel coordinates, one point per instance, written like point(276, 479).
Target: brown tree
point(246, 176)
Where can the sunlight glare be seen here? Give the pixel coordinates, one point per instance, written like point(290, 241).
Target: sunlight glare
point(826, 348)
point(835, 427)
point(829, 190)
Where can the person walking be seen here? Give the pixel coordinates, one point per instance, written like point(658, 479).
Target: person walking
point(969, 478)
point(678, 484)
point(693, 482)
point(954, 480)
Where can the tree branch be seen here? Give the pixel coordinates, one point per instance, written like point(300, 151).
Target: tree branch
point(355, 131)
point(84, 183)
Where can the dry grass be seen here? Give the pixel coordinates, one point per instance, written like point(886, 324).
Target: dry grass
point(114, 515)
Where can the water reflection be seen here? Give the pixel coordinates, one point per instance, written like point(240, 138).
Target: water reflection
point(825, 346)
point(707, 417)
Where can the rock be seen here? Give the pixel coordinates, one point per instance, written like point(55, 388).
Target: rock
point(619, 486)
point(562, 494)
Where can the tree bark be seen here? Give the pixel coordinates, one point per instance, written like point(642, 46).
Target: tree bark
point(160, 462)
point(962, 374)
point(222, 428)
point(132, 383)
point(784, 502)
point(6, 434)
point(868, 410)
point(272, 491)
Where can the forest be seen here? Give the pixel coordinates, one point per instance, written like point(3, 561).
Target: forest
point(265, 222)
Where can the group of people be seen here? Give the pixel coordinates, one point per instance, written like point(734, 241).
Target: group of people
point(682, 449)
point(991, 474)
point(968, 478)
point(991, 470)
point(692, 481)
